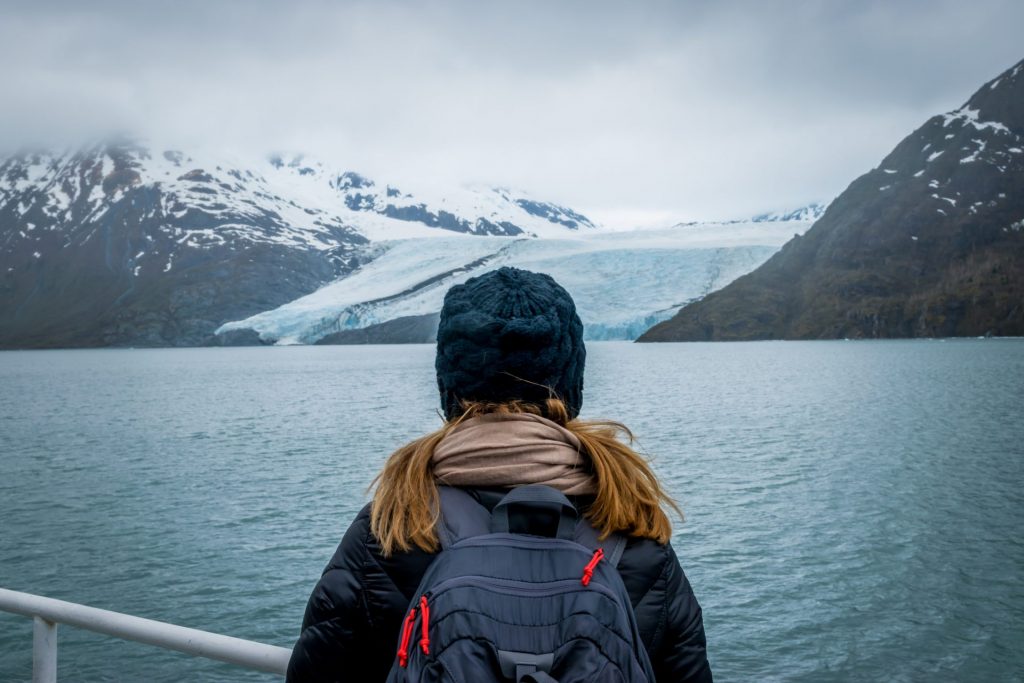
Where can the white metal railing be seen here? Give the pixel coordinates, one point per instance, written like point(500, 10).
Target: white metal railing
point(46, 613)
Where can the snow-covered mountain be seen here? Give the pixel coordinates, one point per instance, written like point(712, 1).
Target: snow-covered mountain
point(313, 205)
point(623, 282)
point(381, 211)
point(128, 244)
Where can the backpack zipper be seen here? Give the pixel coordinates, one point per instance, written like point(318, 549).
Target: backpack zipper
point(425, 628)
point(514, 587)
point(403, 646)
point(519, 541)
point(409, 625)
point(588, 571)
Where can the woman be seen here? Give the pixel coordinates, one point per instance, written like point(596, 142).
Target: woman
point(510, 359)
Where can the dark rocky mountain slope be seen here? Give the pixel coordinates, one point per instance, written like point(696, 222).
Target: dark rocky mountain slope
point(929, 244)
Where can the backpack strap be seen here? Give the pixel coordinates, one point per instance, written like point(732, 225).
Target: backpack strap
point(462, 516)
point(613, 546)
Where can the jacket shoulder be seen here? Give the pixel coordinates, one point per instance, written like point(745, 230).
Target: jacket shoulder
point(353, 551)
point(392, 579)
point(668, 615)
point(642, 563)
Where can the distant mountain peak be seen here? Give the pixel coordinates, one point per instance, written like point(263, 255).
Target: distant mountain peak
point(810, 212)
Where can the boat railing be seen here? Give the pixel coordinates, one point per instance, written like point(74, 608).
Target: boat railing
point(46, 613)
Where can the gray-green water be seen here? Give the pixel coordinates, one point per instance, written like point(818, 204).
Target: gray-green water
point(854, 510)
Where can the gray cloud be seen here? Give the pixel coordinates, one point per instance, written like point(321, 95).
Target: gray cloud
point(654, 111)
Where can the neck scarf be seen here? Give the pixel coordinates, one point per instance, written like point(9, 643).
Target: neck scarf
point(503, 451)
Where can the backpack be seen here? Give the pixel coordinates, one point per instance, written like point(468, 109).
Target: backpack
point(498, 604)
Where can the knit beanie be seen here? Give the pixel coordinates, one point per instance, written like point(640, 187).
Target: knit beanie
point(509, 334)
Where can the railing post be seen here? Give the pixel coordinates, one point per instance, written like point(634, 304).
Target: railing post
point(47, 613)
point(44, 651)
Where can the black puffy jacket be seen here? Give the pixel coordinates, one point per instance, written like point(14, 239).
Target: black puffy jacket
point(352, 621)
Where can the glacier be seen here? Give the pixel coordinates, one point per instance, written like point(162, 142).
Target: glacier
point(622, 281)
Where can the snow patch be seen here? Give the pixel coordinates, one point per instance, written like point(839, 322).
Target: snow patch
point(811, 212)
point(974, 155)
point(970, 117)
point(35, 174)
point(933, 156)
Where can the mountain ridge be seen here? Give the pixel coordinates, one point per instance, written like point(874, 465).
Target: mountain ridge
point(927, 244)
point(120, 244)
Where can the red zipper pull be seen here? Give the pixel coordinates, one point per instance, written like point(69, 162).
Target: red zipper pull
point(403, 647)
point(425, 614)
point(588, 571)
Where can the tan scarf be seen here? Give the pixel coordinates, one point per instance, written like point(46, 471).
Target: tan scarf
point(503, 451)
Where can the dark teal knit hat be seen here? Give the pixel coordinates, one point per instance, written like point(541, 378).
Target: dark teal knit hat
point(509, 335)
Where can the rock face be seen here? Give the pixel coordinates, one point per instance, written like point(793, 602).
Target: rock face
point(412, 329)
point(121, 245)
point(929, 244)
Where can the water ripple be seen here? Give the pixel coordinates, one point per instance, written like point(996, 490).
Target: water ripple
point(853, 511)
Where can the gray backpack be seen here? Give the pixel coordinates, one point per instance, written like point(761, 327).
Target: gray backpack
point(502, 602)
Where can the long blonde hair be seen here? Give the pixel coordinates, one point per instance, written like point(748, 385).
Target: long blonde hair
point(629, 497)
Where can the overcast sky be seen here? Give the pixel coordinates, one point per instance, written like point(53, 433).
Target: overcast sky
point(633, 112)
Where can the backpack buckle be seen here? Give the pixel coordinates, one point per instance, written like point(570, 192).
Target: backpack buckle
point(515, 666)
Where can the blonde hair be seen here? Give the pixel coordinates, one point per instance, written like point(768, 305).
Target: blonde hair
point(629, 497)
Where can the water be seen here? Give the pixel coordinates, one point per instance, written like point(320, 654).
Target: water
point(854, 510)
